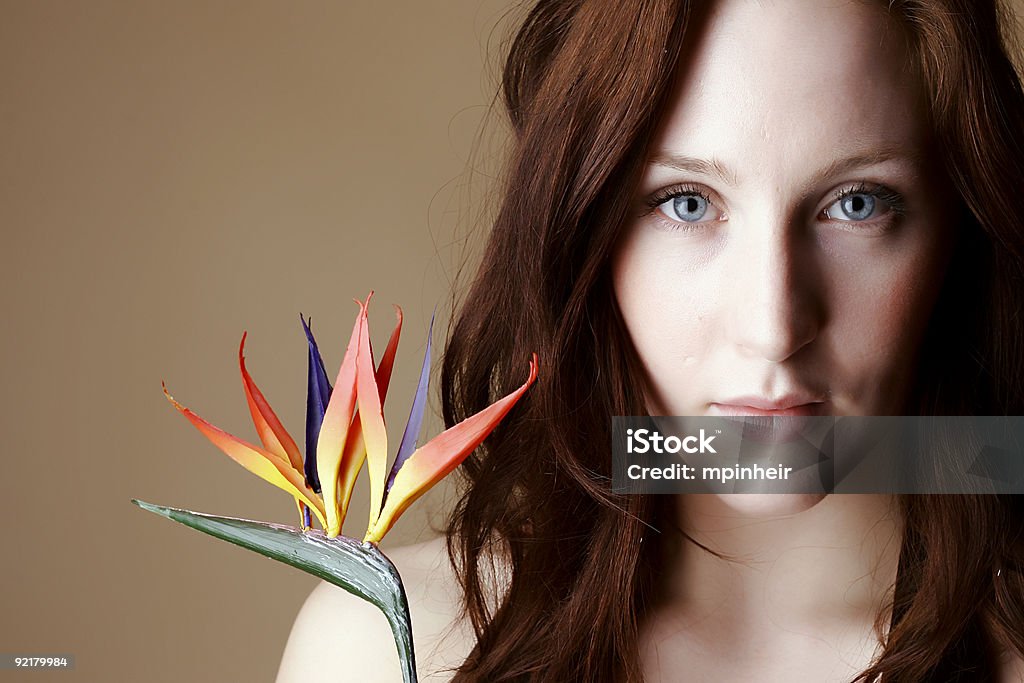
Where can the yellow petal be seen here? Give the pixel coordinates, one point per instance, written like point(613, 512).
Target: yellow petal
point(371, 418)
point(334, 431)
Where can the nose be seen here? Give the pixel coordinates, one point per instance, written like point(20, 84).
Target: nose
point(776, 302)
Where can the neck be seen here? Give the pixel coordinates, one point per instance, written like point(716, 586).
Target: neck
point(799, 562)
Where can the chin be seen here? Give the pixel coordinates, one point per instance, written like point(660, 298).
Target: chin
point(765, 504)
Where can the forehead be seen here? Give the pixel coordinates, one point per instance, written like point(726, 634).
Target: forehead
point(792, 79)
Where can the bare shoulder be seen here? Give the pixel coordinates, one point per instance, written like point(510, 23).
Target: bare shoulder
point(1011, 668)
point(337, 636)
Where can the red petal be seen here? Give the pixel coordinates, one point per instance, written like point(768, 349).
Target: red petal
point(273, 435)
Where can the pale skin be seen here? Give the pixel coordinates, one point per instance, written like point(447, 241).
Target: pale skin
point(795, 250)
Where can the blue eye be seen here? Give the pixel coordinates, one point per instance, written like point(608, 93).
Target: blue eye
point(857, 207)
point(688, 207)
point(859, 204)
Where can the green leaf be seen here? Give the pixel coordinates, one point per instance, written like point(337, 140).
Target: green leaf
point(360, 568)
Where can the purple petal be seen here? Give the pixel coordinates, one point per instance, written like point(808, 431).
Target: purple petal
point(419, 403)
point(317, 396)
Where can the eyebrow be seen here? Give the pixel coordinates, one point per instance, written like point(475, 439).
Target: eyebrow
point(712, 167)
point(715, 168)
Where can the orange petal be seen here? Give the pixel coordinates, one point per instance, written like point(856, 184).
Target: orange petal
point(260, 462)
point(431, 462)
point(334, 431)
point(273, 435)
point(355, 447)
point(371, 418)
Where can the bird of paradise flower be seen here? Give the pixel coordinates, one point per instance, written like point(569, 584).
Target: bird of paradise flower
point(344, 429)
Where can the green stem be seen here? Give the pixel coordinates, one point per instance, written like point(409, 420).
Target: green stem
point(359, 568)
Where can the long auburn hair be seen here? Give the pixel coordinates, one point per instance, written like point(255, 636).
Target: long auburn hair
point(558, 573)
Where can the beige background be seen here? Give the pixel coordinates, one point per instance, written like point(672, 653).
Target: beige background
point(172, 173)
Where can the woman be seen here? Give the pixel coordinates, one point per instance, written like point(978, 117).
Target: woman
point(774, 208)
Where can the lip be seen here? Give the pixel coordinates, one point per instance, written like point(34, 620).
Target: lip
point(768, 420)
point(784, 406)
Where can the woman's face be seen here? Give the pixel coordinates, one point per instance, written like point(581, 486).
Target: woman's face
point(790, 241)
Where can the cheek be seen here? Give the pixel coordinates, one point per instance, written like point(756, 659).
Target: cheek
point(879, 308)
point(671, 330)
